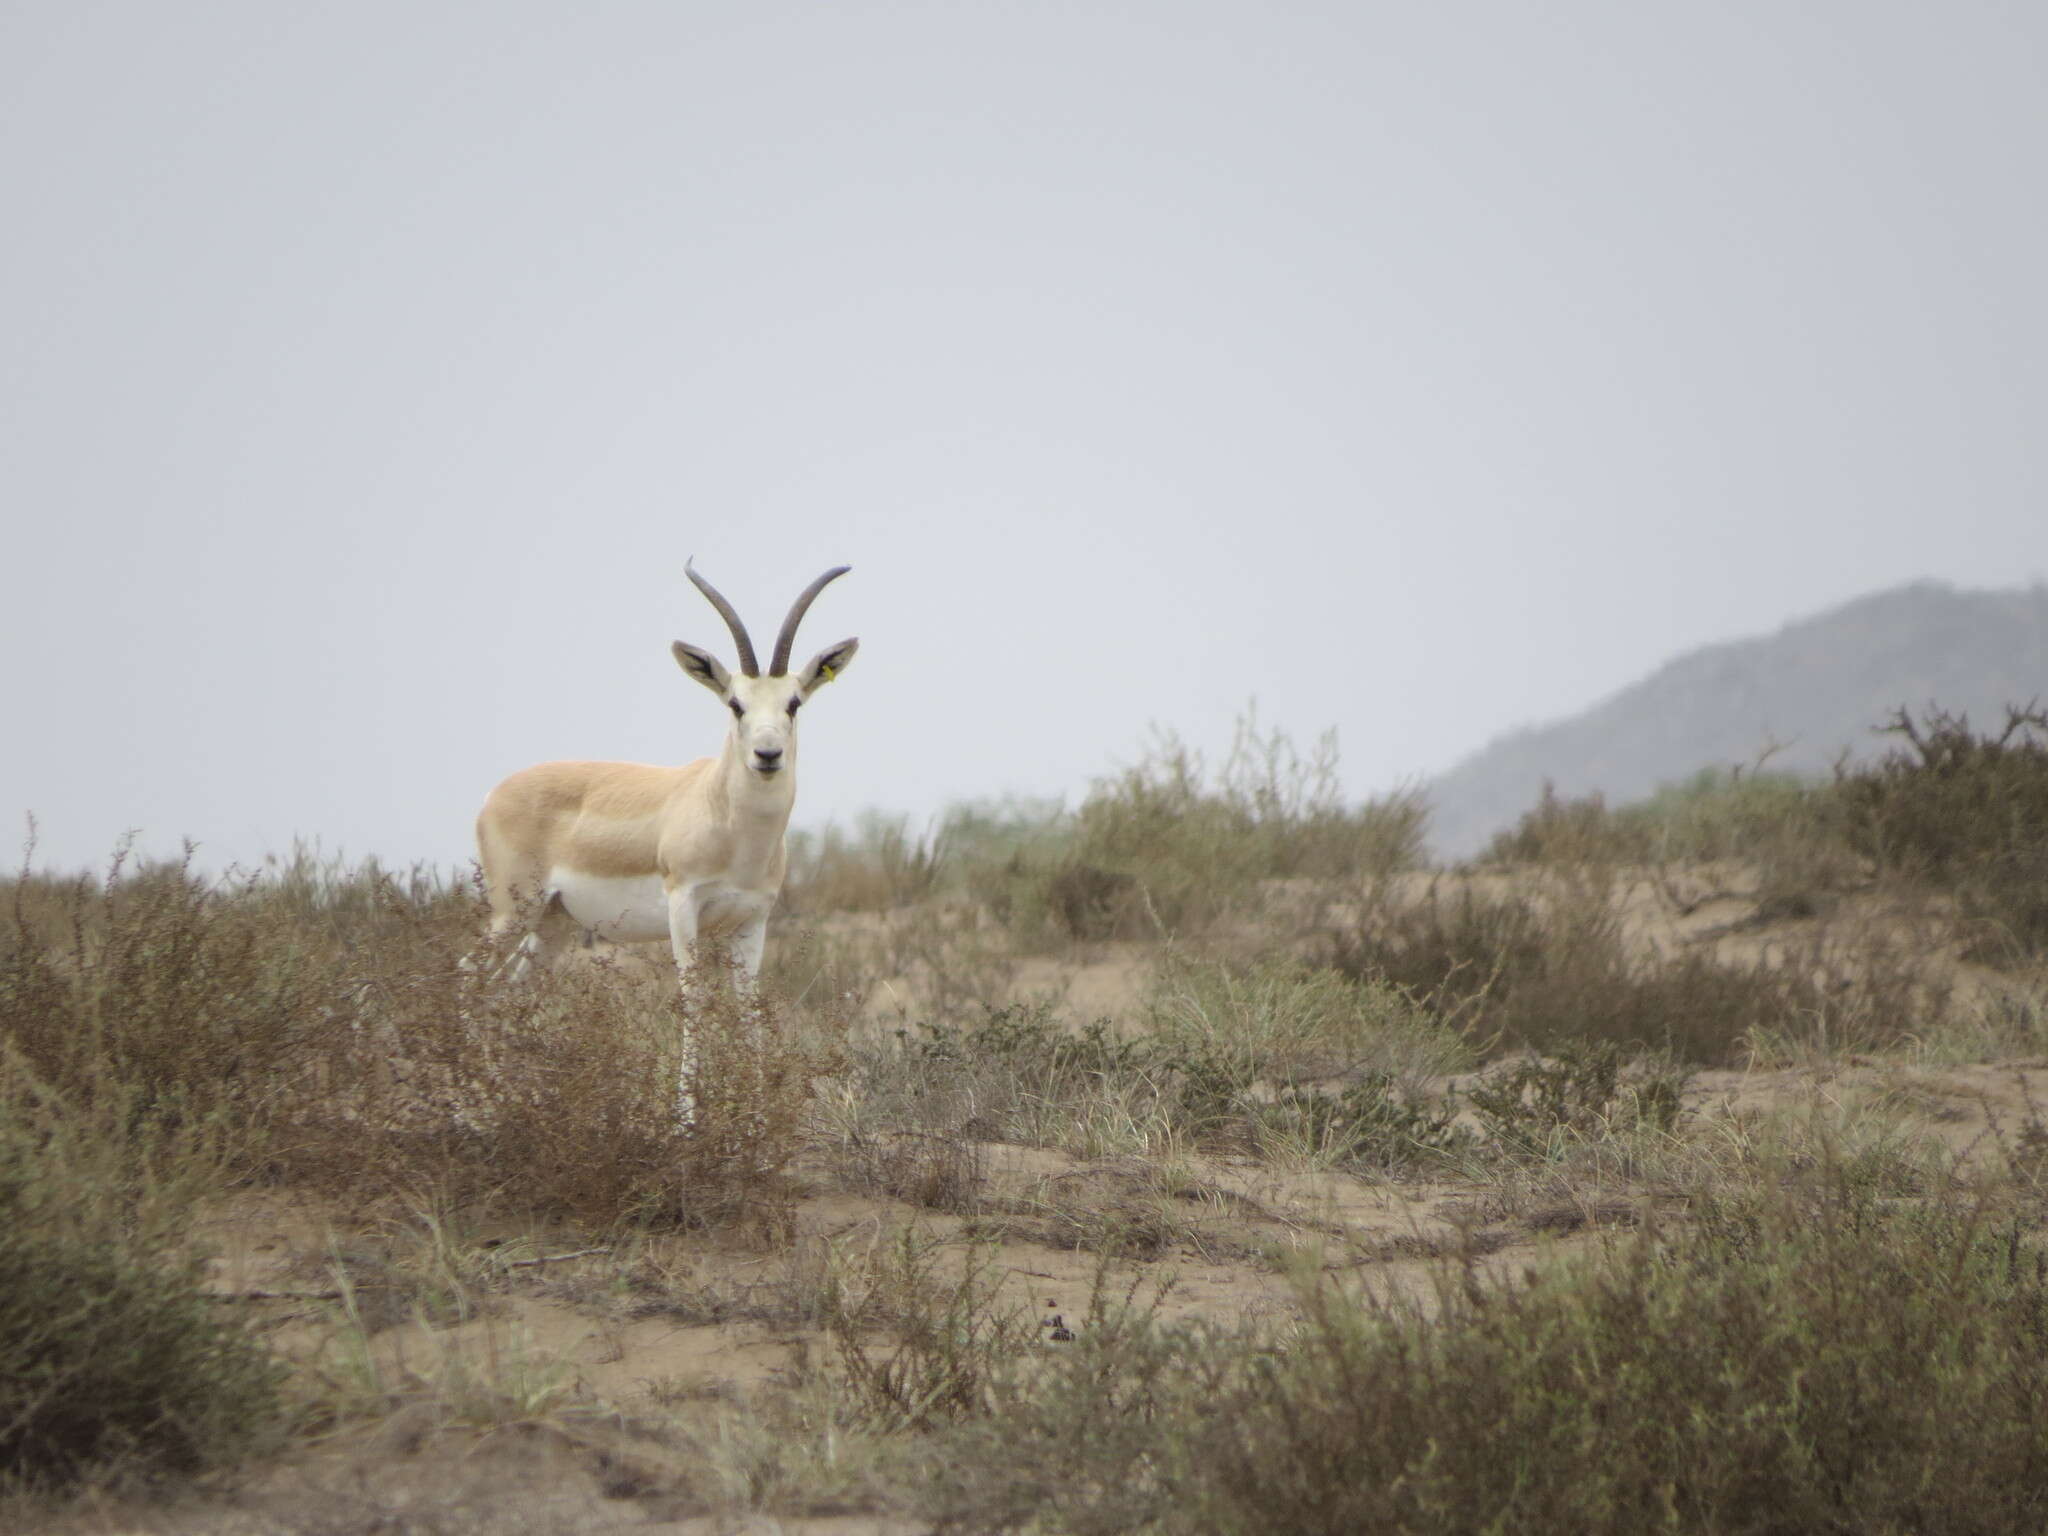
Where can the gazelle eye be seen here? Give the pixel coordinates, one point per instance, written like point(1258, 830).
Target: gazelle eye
point(739, 710)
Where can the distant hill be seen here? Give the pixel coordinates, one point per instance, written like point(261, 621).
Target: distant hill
point(1817, 686)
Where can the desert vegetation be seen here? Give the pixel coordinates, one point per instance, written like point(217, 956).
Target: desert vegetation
point(1196, 1158)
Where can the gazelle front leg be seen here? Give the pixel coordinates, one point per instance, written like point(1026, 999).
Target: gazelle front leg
point(749, 942)
point(682, 938)
point(682, 929)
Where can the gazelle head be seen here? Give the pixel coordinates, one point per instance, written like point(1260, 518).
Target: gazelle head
point(764, 708)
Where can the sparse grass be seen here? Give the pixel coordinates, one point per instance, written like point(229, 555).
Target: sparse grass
point(1289, 1022)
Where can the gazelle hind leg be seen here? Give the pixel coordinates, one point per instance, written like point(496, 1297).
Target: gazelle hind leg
point(549, 929)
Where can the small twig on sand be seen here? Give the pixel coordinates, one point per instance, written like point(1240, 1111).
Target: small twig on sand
point(553, 1258)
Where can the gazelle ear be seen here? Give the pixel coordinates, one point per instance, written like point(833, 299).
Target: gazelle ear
point(827, 664)
point(703, 666)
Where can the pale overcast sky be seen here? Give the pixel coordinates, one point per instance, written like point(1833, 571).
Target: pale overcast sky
point(1423, 370)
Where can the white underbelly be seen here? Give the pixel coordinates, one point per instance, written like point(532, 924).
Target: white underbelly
point(625, 910)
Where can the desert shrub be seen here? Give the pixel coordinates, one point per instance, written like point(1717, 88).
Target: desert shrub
point(563, 1089)
point(1788, 830)
point(1165, 847)
point(1771, 819)
point(1859, 1371)
point(973, 848)
point(1539, 968)
point(329, 1023)
point(1831, 1364)
point(1569, 830)
point(1019, 1074)
point(1586, 1088)
point(1260, 1057)
point(1376, 1124)
point(113, 1360)
point(949, 1334)
point(1285, 1021)
point(880, 864)
point(1967, 812)
point(163, 983)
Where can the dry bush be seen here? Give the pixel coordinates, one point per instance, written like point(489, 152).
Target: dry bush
point(1967, 813)
point(1019, 1074)
point(950, 1335)
point(560, 1092)
point(154, 981)
point(1128, 1208)
point(936, 1169)
point(1569, 830)
point(1165, 849)
point(1832, 1369)
point(878, 866)
point(1288, 1022)
point(1819, 1360)
point(1791, 834)
point(328, 1017)
point(1275, 1057)
point(1952, 809)
point(881, 864)
point(955, 959)
point(1583, 1091)
point(1546, 967)
point(113, 1361)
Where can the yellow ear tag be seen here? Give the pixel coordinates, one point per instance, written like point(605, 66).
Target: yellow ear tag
point(827, 673)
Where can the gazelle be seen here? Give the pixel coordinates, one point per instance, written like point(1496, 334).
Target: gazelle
point(632, 852)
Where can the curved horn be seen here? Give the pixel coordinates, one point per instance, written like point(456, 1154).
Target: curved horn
point(787, 638)
point(748, 665)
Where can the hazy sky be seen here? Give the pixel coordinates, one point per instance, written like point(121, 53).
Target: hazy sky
point(370, 370)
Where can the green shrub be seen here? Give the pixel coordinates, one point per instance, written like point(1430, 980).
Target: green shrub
point(1861, 1372)
point(1965, 812)
point(112, 1359)
point(1285, 1021)
point(1262, 1057)
point(1789, 831)
point(1766, 818)
point(1581, 1090)
point(1166, 848)
point(1794, 1365)
point(1376, 1124)
point(1578, 830)
point(1543, 967)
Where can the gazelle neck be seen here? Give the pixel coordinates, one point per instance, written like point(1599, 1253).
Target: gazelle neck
point(757, 798)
